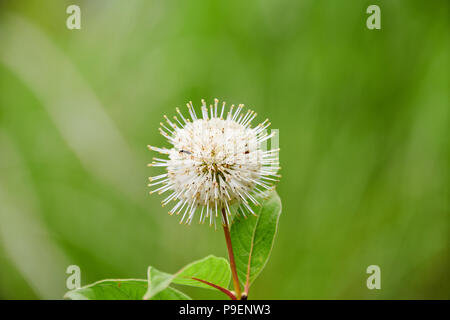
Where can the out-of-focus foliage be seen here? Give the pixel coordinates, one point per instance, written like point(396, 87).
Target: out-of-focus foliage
point(363, 117)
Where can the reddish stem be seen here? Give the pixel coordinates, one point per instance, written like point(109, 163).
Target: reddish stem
point(226, 291)
point(226, 230)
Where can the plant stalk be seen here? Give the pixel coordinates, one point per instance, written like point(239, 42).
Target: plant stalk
point(226, 231)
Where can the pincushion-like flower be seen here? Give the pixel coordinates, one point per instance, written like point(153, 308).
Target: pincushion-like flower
point(217, 163)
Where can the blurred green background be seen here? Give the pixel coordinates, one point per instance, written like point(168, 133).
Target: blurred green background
point(364, 135)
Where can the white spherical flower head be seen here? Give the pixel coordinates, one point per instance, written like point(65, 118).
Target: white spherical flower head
point(217, 164)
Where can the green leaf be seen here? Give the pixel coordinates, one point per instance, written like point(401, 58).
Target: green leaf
point(121, 289)
point(211, 269)
point(157, 282)
point(252, 237)
point(171, 294)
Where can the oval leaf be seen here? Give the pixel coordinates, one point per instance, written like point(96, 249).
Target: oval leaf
point(157, 282)
point(252, 237)
point(122, 289)
point(210, 269)
point(171, 294)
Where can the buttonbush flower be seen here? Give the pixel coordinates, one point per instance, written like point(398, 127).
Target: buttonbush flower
point(216, 162)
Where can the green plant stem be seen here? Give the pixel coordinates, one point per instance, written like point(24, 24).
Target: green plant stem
point(226, 231)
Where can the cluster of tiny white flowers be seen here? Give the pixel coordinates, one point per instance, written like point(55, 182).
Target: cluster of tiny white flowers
point(216, 163)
